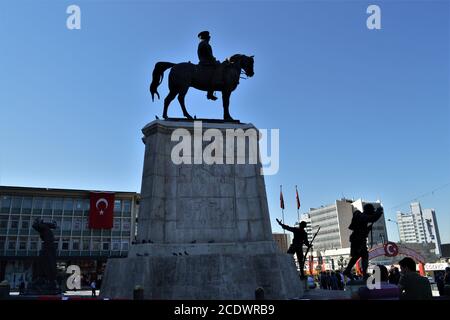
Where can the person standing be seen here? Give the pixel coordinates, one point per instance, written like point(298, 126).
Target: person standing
point(447, 276)
point(93, 288)
point(412, 285)
point(440, 283)
point(394, 275)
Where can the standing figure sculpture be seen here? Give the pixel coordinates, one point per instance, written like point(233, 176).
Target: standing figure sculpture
point(45, 276)
point(209, 75)
point(358, 239)
point(300, 239)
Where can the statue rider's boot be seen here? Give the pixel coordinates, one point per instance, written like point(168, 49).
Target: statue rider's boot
point(211, 96)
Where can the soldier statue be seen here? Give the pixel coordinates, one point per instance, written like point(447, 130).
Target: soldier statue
point(358, 239)
point(300, 239)
point(44, 281)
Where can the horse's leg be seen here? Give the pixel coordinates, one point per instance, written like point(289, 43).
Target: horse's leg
point(181, 96)
point(172, 94)
point(226, 105)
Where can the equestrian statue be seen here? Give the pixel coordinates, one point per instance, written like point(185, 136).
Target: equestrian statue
point(209, 75)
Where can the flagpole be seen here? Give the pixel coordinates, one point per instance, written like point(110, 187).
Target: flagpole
point(282, 209)
point(298, 212)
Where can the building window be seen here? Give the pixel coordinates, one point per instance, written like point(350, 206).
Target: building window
point(118, 206)
point(2, 244)
point(79, 204)
point(126, 206)
point(86, 245)
point(66, 224)
point(65, 244)
point(3, 222)
point(47, 206)
point(75, 244)
point(33, 245)
point(125, 245)
point(12, 244)
point(77, 224)
point(86, 205)
point(105, 246)
point(37, 206)
point(68, 206)
point(16, 203)
point(116, 244)
point(85, 224)
point(23, 244)
point(58, 206)
point(25, 225)
point(126, 225)
point(96, 245)
point(6, 204)
point(26, 205)
point(116, 225)
point(14, 223)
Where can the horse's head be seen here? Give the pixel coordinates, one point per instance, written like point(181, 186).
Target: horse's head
point(245, 62)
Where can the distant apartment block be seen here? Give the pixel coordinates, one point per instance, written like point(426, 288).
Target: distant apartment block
point(419, 226)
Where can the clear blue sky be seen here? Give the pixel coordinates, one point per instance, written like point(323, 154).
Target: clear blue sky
point(361, 113)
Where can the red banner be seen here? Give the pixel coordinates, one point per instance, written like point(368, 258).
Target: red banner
point(101, 212)
point(311, 264)
point(281, 201)
point(297, 198)
point(422, 270)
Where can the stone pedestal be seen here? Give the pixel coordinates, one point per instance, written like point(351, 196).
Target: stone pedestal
point(206, 227)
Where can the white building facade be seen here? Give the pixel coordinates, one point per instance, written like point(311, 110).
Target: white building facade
point(419, 226)
point(334, 220)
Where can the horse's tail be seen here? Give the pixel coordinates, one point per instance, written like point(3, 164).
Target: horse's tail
point(158, 76)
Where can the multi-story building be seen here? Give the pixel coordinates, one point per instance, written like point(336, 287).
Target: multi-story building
point(334, 220)
point(432, 229)
point(407, 228)
point(419, 226)
point(76, 243)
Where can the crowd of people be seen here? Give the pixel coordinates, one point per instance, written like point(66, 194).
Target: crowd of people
point(406, 284)
point(331, 280)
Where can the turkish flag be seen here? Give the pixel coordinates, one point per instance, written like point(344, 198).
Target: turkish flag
point(101, 211)
point(297, 198)
point(281, 200)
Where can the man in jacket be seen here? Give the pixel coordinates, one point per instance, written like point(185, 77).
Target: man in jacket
point(412, 285)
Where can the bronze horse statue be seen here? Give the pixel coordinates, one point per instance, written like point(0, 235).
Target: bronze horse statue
point(186, 74)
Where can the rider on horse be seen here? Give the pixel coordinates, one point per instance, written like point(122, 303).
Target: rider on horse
point(206, 58)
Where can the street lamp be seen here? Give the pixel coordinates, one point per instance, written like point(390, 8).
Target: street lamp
point(398, 228)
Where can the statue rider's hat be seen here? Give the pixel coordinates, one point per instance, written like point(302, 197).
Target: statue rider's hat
point(204, 35)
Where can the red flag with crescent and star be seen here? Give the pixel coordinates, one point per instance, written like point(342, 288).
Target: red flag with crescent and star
point(101, 212)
